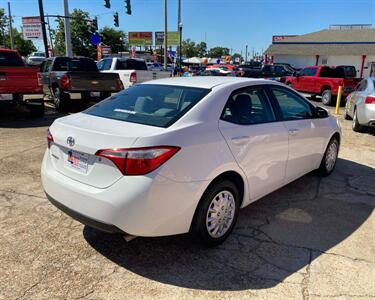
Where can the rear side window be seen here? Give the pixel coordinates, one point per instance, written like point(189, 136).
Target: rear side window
point(131, 64)
point(332, 72)
point(74, 64)
point(149, 104)
point(105, 64)
point(10, 59)
point(248, 106)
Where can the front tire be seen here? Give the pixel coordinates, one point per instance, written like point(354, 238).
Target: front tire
point(329, 158)
point(216, 214)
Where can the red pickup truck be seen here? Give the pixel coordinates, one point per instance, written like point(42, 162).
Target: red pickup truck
point(16, 80)
point(324, 81)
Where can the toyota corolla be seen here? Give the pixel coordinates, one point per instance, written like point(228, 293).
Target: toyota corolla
point(183, 155)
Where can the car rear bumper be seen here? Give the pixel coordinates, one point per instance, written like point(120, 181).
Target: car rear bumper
point(149, 205)
point(366, 114)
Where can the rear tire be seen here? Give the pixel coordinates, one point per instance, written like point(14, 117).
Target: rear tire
point(327, 98)
point(329, 158)
point(61, 100)
point(346, 116)
point(355, 124)
point(216, 214)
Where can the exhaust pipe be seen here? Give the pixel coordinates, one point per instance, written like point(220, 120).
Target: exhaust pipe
point(128, 237)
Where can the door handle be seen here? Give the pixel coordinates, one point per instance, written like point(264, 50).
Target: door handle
point(293, 131)
point(238, 140)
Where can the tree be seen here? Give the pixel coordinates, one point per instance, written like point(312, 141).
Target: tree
point(3, 25)
point(237, 55)
point(80, 35)
point(218, 52)
point(189, 49)
point(201, 49)
point(24, 47)
point(116, 39)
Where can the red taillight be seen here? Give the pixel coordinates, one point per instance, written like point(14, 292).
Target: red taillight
point(49, 139)
point(65, 82)
point(138, 161)
point(119, 84)
point(133, 77)
point(370, 100)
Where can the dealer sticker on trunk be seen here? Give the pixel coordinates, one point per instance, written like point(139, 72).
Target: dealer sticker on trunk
point(78, 161)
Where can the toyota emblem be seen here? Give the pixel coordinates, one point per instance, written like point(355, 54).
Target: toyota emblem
point(70, 141)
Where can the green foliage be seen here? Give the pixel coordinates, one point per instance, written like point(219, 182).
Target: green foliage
point(116, 39)
point(3, 25)
point(24, 47)
point(189, 48)
point(218, 52)
point(79, 32)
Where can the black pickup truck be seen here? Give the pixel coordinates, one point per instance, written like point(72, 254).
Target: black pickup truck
point(66, 79)
point(267, 71)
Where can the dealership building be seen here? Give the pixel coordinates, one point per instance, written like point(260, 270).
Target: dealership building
point(338, 45)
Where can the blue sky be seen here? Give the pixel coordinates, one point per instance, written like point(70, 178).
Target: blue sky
point(229, 23)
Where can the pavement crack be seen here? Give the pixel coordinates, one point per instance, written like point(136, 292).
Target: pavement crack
point(31, 287)
point(306, 279)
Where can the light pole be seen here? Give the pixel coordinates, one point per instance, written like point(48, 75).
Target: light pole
point(165, 33)
point(246, 55)
point(10, 28)
point(180, 33)
point(68, 38)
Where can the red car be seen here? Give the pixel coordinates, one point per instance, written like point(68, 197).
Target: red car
point(324, 81)
point(16, 79)
point(229, 67)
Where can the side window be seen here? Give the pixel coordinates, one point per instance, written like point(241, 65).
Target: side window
point(279, 69)
point(248, 106)
point(311, 71)
point(303, 72)
point(47, 66)
point(100, 65)
point(293, 107)
point(104, 64)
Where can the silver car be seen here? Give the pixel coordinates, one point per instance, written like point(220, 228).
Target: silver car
point(360, 105)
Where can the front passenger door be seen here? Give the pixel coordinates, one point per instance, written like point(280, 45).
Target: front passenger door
point(257, 141)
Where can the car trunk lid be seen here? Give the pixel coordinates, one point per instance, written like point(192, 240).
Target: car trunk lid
point(77, 138)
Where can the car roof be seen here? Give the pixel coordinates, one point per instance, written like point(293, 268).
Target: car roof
point(207, 82)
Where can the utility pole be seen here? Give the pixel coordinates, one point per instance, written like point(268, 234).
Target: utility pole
point(50, 36)
point(42, 21)
point(165, 33)
point(68, 38)
point(10, 28)
point(246, 54)
point(180, 32)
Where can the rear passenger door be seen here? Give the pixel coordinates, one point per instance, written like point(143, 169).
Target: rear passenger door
point(257, 141)
point(306, 133)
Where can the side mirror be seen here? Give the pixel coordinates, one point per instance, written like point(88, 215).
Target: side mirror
point(321, 112)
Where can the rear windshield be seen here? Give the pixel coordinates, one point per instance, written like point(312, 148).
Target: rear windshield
point(74, 64)
point(131, 64)
point(10, 59)
point(149, 104)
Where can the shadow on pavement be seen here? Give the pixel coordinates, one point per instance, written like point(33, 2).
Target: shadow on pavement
point(275, 237)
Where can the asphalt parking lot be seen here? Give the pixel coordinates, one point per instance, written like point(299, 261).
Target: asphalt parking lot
point(313, 239)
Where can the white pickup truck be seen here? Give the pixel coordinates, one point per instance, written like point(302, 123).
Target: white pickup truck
point(130, 70)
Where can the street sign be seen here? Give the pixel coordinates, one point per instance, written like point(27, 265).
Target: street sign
point(32, 28)
point(173, 38)
point(140, 38)
point(95, 39)
point(106, 50)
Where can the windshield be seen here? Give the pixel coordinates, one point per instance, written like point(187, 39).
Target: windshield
point(149, 104)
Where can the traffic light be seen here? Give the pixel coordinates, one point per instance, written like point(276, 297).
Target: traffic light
point(95, 24)
point(128, 7)
point(115, 20)
point(107, 3)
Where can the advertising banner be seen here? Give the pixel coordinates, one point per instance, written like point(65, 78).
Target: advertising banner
point(140, 38)
point(173, 38)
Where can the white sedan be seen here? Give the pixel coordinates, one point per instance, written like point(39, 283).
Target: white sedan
point(182, 155)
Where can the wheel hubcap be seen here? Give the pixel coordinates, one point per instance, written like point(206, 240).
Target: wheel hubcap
point(220, 214)
point(331, 156)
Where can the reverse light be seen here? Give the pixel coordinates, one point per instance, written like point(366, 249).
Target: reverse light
point(49, 139)
point(139, 161)
point(370, 100)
